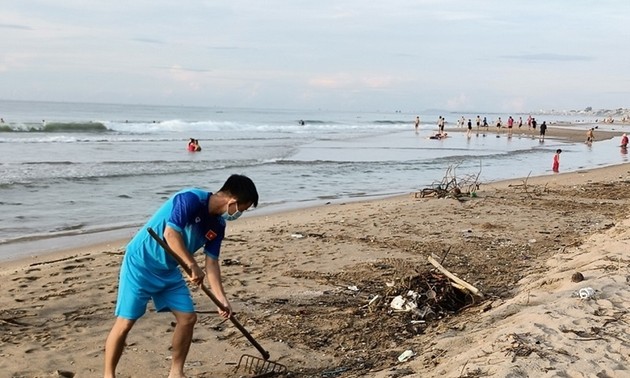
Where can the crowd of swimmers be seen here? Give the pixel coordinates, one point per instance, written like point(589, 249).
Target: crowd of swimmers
point(511, 123)
point(483, 125)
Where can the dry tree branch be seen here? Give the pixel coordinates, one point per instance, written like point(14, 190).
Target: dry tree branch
point(451, 186)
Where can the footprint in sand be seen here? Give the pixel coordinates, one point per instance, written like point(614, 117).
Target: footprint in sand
point(26, 278)
point(84, 259)
point(72, 267)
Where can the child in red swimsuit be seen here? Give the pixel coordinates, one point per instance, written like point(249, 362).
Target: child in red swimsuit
point(556, 161)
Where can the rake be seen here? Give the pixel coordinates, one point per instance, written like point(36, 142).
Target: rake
point(259, 367)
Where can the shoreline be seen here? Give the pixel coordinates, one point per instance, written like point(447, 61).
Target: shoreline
point(33, 244)
point(120, 237)
point(55, 244)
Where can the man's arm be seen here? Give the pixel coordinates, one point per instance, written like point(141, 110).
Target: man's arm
point(176, 242)
point(213, 271)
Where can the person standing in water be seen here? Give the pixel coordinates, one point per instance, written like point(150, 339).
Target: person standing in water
point(590, 136)
point(510, 124)
point(543, 129)
point(556, 161)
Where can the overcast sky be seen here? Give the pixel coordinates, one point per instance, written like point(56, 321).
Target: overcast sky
point(408, 55)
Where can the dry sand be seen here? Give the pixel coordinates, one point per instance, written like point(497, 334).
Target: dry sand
point(301, 282)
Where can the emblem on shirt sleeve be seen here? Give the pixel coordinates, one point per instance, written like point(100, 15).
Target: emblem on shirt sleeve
point(210, 235)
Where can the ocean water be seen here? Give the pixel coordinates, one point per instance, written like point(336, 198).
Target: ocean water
point(73, 171)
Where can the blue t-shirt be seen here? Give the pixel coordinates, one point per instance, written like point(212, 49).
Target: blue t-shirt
point(186, 212)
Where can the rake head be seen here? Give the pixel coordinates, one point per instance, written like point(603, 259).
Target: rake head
point(259, 368)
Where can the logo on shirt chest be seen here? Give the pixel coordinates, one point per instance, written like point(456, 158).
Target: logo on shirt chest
point(210, 235)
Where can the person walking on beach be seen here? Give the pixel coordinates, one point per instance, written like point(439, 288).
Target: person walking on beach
point(589, 136)
point(485, 126)
point(189, 220)
point(478, 124)
point(543, 129)
point(624, 141)
point(441, 122)
point(534, 123)
point(510, 123)
point(556, 161)
point(417, 123)
point(469, 132)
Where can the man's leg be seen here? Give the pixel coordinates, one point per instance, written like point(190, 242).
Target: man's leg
point(115, 344)
point(182, 337)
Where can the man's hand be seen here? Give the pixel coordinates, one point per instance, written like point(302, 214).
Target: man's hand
point(197, 274)
point(228, 313)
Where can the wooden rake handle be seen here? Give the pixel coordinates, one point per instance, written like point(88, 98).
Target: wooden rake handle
point(209, 293)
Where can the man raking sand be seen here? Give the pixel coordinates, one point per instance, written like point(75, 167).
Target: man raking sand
point(188, 221)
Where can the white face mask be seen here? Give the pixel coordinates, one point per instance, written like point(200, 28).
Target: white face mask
point(230, 217)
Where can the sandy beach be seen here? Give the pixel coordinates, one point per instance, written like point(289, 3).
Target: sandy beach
point(315, 286)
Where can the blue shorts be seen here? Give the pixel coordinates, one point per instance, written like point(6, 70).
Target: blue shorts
point(137, 284)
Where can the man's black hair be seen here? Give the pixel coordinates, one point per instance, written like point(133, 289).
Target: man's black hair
point(241, 187)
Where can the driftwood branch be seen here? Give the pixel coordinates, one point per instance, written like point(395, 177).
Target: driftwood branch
point(452, 186)
point(473, 290)
point(535, 189)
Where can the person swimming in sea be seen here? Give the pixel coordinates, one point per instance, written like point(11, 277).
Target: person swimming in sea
point(438, 136)
point(193, 145)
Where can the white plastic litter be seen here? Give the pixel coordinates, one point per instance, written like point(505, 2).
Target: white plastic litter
point(406, 355)
point(586, 293)
point(401, 304)
point(376, 297)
